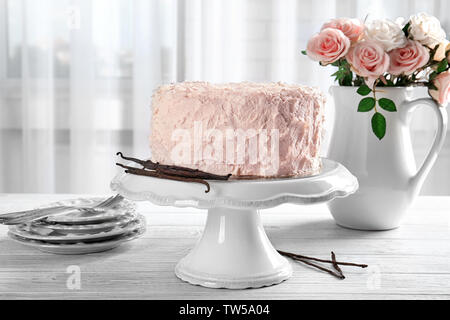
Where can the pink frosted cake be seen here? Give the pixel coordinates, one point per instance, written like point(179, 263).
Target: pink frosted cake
point(246, 129)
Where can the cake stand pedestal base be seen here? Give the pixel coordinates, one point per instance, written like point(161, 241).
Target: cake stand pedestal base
point(234, 252)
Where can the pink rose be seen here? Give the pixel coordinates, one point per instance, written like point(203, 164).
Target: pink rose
point(408, 59)
point(328, 46)
point(368, 60)
point(442, 83)
point(352, 28)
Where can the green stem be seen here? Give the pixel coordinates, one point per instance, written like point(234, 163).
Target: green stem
point(374, 94)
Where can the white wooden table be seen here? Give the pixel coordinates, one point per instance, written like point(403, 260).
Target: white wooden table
point(410, 262)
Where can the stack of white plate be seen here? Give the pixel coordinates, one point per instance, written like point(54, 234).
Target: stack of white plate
point(76, 232)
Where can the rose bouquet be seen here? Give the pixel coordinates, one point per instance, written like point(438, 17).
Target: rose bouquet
point(383, 53)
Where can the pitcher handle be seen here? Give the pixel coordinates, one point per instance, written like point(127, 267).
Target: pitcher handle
point(441, 114)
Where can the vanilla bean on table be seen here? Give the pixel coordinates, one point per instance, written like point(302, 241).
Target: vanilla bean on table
point(304, 259)
point(339, 276)
point(335, 265)
point(289, 254)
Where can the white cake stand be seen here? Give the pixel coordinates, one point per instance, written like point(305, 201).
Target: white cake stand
point(234, 251)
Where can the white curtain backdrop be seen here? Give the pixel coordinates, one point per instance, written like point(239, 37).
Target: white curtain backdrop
point(76, 76)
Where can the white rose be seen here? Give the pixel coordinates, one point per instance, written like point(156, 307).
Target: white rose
point(426, 29)
point(387, 33)
point(441, 51)
point(400, 21)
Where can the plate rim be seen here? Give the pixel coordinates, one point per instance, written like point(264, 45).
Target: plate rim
point(79, 245)
point(79, 237)
point(82, 227)
point(127, 205)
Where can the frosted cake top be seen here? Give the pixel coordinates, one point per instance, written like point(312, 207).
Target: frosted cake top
point(243, 88)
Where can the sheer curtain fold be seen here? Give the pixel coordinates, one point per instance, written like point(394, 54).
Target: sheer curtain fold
point(3, 53)
point(81, 105)
point(284, 50)
point(147, 73)
point(77, 76)
point(37, 95)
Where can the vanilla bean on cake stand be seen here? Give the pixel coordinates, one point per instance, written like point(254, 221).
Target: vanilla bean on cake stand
point(171, 172)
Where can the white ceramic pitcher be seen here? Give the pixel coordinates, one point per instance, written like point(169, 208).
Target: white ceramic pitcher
point(386, 170)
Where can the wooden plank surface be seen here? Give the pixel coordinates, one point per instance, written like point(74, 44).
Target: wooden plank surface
point(410, 262)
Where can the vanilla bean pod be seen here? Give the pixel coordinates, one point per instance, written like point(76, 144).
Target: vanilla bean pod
point(339, 276)
point(165, 173)
point(176, 170)
point(145, 163)
point(156, 174)
point(288, 254)
point(335, 265)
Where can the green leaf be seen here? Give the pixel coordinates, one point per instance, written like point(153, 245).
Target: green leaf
point(406, 29)
point(442, 66)
point(379, 125)
point(433, 53)
point(363, 90)
point(304, 52)
point(387, 104)
point(366, 104)
point(347, 79)
point(339, 72)
point(431, 86)
point(432, 76)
